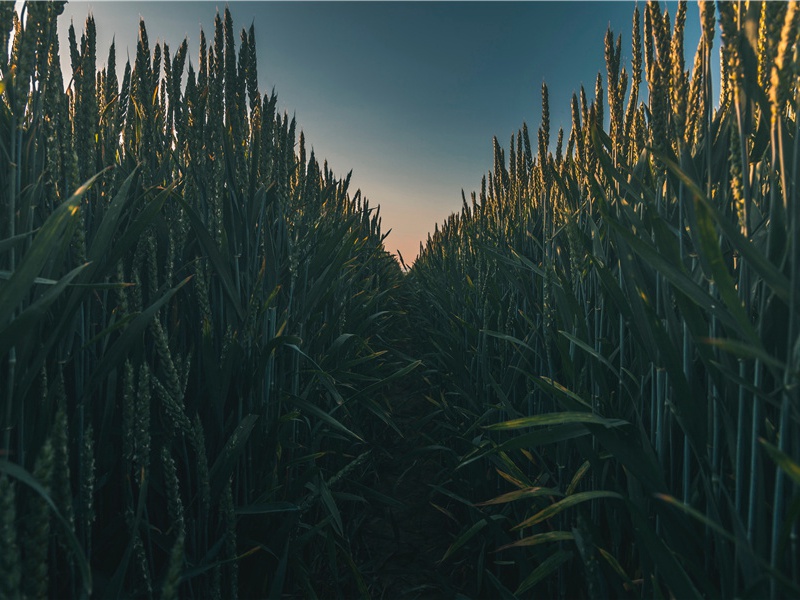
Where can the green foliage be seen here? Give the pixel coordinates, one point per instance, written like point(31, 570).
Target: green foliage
point(198, 331)
point(620, 321)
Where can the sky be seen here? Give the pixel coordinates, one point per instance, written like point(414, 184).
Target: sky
point(407, 95)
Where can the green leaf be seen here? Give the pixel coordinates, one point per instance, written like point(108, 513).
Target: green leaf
point(544, 436)
point(371, 492)
point(115, 325)
point(558, 418)
point(566, 397)
point(468, 535)
point(12, 242)
point(784, 461)
point(695, 514)
point(503, 591)
point(330, 506)
point(103, 237)
point(596, 355)
point(540, 538)
point(545, 569)
point(740, 541)
point(666, 563)
point(267, 508)
point(745, 350)
point(564, 504)
point(55, 232)
point(226, 461)
point(617, 567)
point(507, 338)
point(133, 231)
point(577, 477)
point(89, 286)
point(399, 374)
point(634, 453)
point(444, 491)
point(27, 320)
point(360, 584)
point(314, 410)
point(532, 492)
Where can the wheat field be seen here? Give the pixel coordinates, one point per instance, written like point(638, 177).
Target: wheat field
point(217, 382)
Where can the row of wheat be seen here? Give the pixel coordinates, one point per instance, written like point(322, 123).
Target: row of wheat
point(614, 328)
point(193, 315)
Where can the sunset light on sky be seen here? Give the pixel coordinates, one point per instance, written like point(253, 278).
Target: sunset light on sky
point(407, 95)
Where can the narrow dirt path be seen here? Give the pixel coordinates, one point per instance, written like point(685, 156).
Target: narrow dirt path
point(406, 542)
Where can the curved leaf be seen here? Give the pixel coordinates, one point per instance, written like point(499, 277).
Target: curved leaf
point(564, 504)
point(558, 418)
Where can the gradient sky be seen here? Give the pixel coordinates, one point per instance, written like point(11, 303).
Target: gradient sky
point(406, 94)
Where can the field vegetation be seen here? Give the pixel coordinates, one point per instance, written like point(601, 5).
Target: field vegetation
point(215, 378)
point(614, 328)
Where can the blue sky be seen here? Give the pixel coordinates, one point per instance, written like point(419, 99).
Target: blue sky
point(406, 94)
